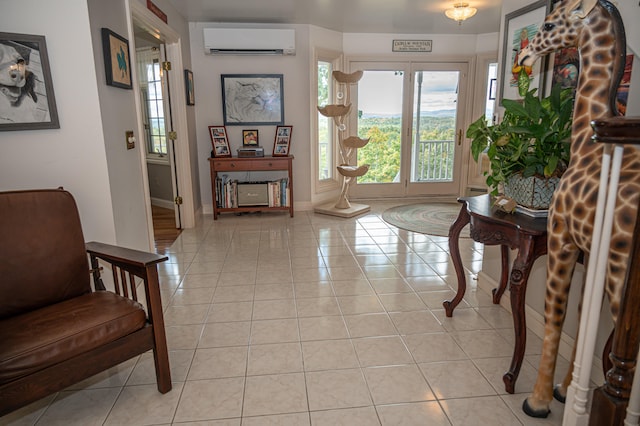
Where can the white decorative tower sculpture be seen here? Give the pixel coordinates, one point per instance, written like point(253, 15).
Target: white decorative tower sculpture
point(347, 146)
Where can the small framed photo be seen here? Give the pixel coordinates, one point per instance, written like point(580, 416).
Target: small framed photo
point(117, 62)
point(27, 101)
point(250, 138)
point(219, 141)
point(282, 141)
point(188, 85)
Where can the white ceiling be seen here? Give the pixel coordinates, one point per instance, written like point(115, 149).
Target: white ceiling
point(357, 16)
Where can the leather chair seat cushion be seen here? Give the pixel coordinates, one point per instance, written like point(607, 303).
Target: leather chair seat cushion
point(46, 336)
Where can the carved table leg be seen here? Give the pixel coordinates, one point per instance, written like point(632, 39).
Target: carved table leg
point(454, 248)
point(518, 288)
point(504, 275)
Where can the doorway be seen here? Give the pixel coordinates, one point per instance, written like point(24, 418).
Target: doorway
point(413, 115)
point(155, 110)
point(144, 25)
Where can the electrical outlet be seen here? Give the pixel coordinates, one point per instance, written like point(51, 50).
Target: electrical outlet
point(130, 139)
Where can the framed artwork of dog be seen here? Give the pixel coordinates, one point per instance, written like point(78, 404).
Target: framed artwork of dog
point(27, 101)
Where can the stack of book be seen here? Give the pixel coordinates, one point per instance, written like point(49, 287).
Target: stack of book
point(227, 192)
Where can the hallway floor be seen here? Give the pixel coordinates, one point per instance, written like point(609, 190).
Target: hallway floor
point(313, 320)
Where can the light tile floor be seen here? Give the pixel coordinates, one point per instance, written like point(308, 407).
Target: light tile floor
point(313, 320)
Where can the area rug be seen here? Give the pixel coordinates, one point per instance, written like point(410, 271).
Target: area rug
point(427, 218)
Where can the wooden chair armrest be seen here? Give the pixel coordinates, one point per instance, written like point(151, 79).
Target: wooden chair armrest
point(134, 262)
point(123, 257)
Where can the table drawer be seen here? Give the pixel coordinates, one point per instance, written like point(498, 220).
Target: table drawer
point(249, 165)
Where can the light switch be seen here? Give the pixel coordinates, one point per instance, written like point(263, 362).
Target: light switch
point(131, 140)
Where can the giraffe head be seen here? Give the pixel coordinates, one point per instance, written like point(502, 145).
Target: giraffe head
point(559, 30)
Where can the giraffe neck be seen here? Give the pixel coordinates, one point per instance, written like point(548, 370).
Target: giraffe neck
point(602, 50)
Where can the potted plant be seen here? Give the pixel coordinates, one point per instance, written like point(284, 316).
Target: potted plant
point(529, 148)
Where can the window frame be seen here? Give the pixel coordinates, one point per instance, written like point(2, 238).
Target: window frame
point(333, 182)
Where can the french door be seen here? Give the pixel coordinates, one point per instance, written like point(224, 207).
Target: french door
point(413, 115)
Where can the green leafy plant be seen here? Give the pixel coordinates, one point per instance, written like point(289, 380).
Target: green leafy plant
point(532, 139)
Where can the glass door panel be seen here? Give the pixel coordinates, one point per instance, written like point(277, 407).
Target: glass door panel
point(381, 118)
point(436, 129)
point(412, 114)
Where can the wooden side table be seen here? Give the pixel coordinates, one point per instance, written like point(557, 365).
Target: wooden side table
point(523, 233)
point(250, 164)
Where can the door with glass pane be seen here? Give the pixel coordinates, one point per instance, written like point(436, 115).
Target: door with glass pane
point(382, 118)
point(157, 124)
point(434, 160)
point(413, 117)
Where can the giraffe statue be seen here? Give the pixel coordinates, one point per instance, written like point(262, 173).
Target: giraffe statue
point(595, 28)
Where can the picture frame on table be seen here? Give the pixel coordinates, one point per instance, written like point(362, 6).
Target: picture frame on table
point(252, 99)
point(250, 137)
point(188, 86)
point(282, 142)
point(117, 61)
point(519, 28)
point(27, 101)
point(219, 141)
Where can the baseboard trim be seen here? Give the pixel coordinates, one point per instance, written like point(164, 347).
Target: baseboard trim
point(166, 204)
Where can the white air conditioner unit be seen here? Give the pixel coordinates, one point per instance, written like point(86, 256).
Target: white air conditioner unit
point(249, 41)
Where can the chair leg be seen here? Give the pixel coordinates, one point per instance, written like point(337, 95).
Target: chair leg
point(163, 372)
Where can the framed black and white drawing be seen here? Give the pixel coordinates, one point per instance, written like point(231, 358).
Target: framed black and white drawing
point(254, 99)
point(27, 101)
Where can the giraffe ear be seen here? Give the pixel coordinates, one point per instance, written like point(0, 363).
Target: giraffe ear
point(581, 8)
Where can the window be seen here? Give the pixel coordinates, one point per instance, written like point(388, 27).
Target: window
point(157, 139)
point(492, 89)
point(325, 126)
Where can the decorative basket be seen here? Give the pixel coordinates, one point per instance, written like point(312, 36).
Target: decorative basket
point(531, 192)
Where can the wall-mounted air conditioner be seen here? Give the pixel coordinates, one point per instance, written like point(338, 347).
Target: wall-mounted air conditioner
point(249, 41)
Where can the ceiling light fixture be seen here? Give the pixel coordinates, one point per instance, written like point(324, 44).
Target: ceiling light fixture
point(460, 12)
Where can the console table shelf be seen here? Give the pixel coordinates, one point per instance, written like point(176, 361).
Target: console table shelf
point(252, 164)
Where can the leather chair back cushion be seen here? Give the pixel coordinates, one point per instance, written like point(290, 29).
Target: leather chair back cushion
point(64, 330)
point(42, 250)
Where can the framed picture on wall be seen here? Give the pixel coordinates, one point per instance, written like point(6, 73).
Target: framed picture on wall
point(282, 142)
point(188, 85)
point(117, 62)
point(519, 28)
point(254, 99)
point(219, 141)
point(27, 101)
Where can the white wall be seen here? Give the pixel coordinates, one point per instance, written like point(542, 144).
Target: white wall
point(296, 80)
point(74, 155)
point(358, 44)
point(119, 115)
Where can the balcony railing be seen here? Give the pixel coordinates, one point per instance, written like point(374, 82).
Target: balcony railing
point(433, 161)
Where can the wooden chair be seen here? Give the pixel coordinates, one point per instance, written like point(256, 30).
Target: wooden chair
point(55, 330)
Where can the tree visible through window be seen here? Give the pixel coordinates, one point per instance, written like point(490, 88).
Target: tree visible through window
point(325, 132)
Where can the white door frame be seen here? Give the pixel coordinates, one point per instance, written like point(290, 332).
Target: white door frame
point(167, 35)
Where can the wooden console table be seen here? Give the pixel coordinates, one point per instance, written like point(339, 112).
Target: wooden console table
point(251, 164)
point(491, 226)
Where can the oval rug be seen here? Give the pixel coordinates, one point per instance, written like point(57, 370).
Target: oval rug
point(426, 218)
